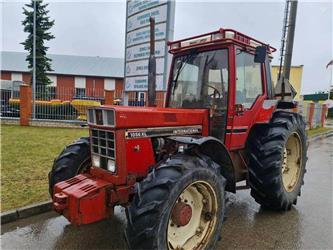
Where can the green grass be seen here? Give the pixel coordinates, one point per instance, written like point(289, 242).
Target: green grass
point(27, 154)
point(317, 131)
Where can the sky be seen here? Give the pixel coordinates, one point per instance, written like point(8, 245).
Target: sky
point(97, 28)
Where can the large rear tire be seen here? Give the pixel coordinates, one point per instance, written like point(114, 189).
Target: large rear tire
point(74, 159)
point(277, 161)
point(179, 205)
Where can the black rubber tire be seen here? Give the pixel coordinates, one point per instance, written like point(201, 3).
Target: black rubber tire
point(148, 213)
point(266, 145)
point(74, 159)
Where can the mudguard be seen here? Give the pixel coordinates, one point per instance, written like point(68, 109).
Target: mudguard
point(217, 151)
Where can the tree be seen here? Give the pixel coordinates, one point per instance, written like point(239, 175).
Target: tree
point(43, 25)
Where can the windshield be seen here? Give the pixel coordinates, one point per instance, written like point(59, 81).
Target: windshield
point(200, 80)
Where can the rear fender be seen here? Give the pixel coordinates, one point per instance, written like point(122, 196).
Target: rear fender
point(217, 151)
point(266, 111)
point(270, 106)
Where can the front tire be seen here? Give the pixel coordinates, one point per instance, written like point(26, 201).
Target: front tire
point(73, 160)
point(277, 161)
point(179, 205)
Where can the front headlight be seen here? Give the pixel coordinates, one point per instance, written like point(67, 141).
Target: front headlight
point(96, 161)
point(111, 166)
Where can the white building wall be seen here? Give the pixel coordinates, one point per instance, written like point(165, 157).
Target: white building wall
point(109, 84)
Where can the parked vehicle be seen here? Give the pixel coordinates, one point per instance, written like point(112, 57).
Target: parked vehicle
point(170, 167)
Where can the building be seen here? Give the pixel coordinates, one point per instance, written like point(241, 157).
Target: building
point(296, 73)
point(317, 97)
point(72, 76)
point(86, 76)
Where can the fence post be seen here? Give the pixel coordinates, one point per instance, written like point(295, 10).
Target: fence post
point(323, 114)
point(109, 97)
point(311, 114)
point(25, 104)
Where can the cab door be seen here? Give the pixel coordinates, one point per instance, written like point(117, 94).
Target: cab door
point(249, 95)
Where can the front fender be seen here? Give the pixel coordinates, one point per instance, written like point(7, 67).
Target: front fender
point(217, 151)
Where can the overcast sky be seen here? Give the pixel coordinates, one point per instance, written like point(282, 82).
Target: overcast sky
point(98, 28)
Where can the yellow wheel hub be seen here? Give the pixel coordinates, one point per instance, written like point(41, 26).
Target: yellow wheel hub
point(291, 166)
point(198, 202)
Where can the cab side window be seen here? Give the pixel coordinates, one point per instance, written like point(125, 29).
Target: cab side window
point(248, 79)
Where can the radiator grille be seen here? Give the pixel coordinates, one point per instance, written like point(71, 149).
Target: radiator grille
point(103, 144)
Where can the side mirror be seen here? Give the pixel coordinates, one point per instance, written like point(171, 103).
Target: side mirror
point(260, 55)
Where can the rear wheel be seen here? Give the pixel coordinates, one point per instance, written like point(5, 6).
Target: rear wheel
point(73, 160)
point(180, 205)
point(277, 161)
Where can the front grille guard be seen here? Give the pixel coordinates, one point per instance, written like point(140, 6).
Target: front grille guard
point(103, 145)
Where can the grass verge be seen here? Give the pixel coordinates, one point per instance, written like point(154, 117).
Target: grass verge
point(27, 154)
point(317, 131)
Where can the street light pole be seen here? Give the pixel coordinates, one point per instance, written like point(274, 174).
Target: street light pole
point(34, 65)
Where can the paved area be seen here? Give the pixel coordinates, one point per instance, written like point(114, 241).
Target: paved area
point(307, 226)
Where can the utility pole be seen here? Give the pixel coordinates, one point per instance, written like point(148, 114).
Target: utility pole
point(34, 65)
point(283, 87)
point(290, 38)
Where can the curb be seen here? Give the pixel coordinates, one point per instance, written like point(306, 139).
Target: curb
point(25, 212)
point(321, 136)
point(43, 207)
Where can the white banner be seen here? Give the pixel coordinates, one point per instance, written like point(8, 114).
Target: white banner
point(136, 6)
point(140, 83)
point(138, 37)
point(142, 19)
point(143, 35)
point(142, 51)
point(137, 68)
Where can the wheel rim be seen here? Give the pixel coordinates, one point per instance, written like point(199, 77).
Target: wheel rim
point(196, 231)
point(291, 166)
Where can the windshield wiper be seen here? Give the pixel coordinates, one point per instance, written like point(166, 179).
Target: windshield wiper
point(180, 68)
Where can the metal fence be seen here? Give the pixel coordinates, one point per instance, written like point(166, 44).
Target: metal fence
point(9, 90)
point(56, 103)
point(68, 104)
point(137, 99)
point(306, 108)
point(71, 104)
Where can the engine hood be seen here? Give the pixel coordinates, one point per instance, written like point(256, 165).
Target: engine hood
point(143, 117)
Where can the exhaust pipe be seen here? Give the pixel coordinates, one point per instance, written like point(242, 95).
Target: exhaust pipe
point(152, 67)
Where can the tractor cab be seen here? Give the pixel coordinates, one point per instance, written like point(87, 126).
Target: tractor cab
point(220, 71)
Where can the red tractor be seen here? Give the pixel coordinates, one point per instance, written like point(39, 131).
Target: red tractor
point(170, 167)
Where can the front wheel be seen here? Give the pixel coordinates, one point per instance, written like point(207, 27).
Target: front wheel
point(73, 160)
point(180, 205)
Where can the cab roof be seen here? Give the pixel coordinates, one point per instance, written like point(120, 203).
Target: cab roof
point(217, 37)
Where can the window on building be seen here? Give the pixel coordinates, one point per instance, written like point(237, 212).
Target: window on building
point(248, 79)
point(80, 92)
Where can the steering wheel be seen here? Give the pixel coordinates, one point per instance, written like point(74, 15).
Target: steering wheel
point(215, 92)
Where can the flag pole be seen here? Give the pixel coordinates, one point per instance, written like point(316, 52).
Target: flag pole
point(330, 64)
point(330, 84)
point(34, 65)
